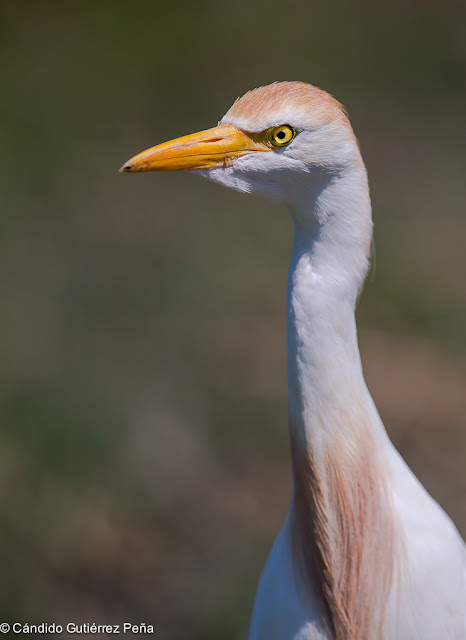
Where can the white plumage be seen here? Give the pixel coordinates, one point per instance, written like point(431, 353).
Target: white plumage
point(365, 553)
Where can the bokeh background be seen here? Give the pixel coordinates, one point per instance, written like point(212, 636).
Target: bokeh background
point(144, 463)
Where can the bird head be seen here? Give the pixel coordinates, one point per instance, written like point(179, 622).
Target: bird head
point(271, 140)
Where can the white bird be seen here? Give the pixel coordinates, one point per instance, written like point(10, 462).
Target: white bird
point(365, 553)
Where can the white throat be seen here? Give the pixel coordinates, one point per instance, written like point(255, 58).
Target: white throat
point(328, 266)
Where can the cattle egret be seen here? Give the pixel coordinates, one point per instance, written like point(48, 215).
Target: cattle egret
point(365, 553)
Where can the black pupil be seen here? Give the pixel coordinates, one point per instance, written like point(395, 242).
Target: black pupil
point(281, 135)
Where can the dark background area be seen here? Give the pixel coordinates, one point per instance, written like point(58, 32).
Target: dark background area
point(144, 463)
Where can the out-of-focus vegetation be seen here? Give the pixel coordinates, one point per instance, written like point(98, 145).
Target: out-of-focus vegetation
point(144, 463)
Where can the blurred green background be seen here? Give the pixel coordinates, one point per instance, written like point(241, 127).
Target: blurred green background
point(144, 464)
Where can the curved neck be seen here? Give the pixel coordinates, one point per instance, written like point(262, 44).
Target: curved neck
point(328, 266)
point(340, 500)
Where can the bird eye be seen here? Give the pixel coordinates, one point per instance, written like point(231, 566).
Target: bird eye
point(280, 136)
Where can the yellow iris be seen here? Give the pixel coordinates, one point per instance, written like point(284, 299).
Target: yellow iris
point(280, 136)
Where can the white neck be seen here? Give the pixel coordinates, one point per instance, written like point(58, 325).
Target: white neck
point(329, 261)
point(340, 496)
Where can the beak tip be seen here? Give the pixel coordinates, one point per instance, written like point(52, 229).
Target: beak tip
point(125, 168)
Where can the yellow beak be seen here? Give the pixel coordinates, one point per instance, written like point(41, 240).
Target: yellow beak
point(217, 147)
